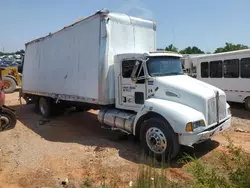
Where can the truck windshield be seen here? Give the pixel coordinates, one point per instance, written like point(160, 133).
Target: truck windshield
point(164, 66)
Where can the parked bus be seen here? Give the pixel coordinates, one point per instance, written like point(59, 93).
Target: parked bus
point(229, 71)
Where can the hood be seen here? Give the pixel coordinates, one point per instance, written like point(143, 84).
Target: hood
point(184, 83)
point(186, 90)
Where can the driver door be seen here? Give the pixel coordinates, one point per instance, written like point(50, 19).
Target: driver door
point(132, 91)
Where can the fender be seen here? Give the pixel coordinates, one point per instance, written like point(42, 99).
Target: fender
point(178, 115)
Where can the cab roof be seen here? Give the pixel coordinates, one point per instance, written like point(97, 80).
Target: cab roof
point(163, 53)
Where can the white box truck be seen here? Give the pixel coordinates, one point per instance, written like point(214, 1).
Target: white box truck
point(108, 62)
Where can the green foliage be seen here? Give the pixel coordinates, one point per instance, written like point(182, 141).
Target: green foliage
point(149, 178)
point(205, 177)
point(191, 50)
point(87, 183)
point(12, 53)
point(240, 174)
point(233, 172)
point(231, 169)
point(20, 52)
point(171, 48)
point(195, 50)
point(231, 47)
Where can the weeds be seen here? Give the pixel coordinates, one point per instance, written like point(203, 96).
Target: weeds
point(230, 170)
point(239, 176)
point(149, 178)
point(87, 183)
point(236, 173)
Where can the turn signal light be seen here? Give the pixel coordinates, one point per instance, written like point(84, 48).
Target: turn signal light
point(189, 127)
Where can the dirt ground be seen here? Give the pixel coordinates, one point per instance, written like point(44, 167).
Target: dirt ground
point(73, 146)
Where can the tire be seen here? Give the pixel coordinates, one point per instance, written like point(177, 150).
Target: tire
point(9, 85)
point(8, 119)
point(44, 106)
point(157, 130)
point(247, 103)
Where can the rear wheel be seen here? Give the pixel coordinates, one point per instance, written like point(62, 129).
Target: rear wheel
point(9, 85)
point(247, 103)
point(159, 140)
point(44, 106)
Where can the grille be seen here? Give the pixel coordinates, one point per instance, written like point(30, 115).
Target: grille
point(212, 112)
point(222, 107)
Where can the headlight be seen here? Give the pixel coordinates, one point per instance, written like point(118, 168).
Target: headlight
point(194, 125)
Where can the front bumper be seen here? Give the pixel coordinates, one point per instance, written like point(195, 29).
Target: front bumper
point(190, 139)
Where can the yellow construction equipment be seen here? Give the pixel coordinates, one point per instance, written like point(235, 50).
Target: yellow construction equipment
point(12, 78)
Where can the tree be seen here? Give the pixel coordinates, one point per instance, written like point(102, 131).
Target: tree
point(231, 47)
point(160, 49)
point(191, 50)
point(171, 48)
point(20, 52)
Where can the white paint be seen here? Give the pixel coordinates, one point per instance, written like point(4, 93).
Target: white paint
point(79, 59)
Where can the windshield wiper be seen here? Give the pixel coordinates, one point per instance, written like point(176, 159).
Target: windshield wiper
point(160, 74)
point(167, 74)
point(174, 73)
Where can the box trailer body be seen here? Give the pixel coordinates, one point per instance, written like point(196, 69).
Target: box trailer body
point(77, 62)
point(108, 62)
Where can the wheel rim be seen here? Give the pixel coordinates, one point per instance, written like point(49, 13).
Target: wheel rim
point(156, 140)
point(42, 107)
point(4, 122)
point(6, 84)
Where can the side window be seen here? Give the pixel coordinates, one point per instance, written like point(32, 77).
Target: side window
point(127, 68)
point(216, 69)
point(245, 68)
point(204, 70)
point(231, 68)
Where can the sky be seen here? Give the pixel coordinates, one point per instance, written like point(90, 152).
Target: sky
point(205, 24)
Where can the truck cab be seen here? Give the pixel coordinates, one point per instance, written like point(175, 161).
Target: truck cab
point(156, 102)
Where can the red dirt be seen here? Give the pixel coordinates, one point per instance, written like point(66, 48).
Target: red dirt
point(74, 146)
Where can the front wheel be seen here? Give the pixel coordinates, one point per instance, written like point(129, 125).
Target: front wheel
point(159, 140)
